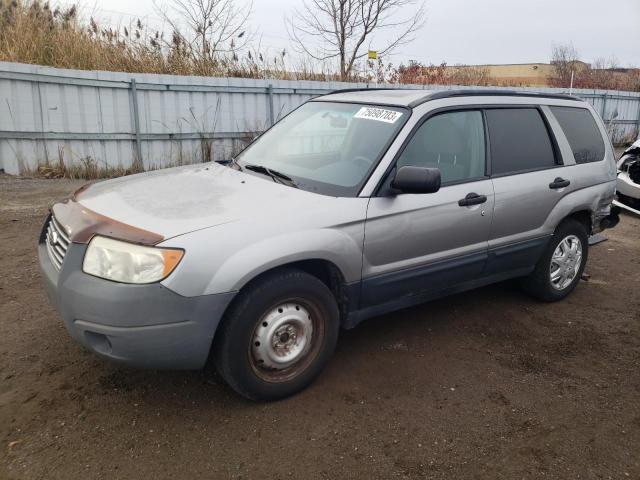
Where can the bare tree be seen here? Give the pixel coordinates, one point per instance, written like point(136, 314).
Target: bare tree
point(605, 73)
point(340, 29)
point(214, 26)
point(565, 61)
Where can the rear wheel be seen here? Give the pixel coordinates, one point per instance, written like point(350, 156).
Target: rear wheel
point(560, 268)
point(277, 336)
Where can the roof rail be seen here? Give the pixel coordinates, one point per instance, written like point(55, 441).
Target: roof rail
point(488, 92)
point(463, 92)
point(366, 89)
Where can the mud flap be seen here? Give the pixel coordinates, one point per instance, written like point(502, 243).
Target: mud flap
point(596, 239)
point(612, 219)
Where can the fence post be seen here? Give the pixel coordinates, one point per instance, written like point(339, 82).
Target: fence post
point(638, 122)
point(44, 142)
point(136, 122)
point(270, 103)
point(604, 105)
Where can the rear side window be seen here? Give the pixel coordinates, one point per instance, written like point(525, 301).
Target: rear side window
point(582, 133)
point(519, 141)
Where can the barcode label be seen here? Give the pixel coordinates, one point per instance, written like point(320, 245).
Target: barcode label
point(379, 114)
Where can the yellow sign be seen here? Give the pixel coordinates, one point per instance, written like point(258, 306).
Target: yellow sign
point(373, 54)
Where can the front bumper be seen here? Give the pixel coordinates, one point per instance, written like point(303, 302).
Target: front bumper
point(146, 326)
point(627, 187)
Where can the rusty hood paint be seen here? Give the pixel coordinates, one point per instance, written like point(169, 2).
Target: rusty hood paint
point(176, 201)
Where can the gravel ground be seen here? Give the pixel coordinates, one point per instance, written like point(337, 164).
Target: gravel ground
point(487, 384)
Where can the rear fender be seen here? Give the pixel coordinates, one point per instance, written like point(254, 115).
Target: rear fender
point(596, 200)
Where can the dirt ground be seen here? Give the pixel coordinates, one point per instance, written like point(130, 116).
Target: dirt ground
point(487, 384)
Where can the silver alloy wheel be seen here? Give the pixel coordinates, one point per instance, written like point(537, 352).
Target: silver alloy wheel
point(282, 337)
point(566, 262)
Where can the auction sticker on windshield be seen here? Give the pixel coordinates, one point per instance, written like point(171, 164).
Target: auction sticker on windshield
point(379, 114)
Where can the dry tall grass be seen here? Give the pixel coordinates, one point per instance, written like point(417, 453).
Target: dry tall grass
point(32, 32)
point(416, 72)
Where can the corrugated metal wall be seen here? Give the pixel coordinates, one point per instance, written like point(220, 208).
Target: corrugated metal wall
point(113, 118)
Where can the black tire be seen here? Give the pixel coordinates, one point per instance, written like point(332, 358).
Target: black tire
point(233, 348)
point(539, 284)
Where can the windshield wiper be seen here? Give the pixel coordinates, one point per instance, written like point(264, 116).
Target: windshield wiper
point(275, 175)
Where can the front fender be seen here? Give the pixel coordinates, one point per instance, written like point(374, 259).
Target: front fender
point(225, 258)
point(335, 246)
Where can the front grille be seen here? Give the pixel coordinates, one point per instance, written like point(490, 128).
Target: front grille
point(57, 242)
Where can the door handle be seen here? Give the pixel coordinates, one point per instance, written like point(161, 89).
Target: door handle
point(559, 182)
point(472, 199)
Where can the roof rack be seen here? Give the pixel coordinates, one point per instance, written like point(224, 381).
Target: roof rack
point(366, 89)
point(489, 92)
point(467, 92)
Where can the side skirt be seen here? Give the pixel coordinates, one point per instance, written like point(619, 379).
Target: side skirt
point(357, 316)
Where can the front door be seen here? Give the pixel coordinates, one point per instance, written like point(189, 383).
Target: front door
point(417, 244)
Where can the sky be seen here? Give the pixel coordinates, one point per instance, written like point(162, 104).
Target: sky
point(459, 31)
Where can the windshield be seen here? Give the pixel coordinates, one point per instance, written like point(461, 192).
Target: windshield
point(325, 147)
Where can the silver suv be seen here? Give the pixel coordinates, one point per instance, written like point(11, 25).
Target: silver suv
point(355, 204)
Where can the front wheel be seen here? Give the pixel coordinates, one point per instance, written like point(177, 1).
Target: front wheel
point(560, 268)
point(277, 336)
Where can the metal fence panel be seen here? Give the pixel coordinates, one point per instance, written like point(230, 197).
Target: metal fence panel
point(113, 119)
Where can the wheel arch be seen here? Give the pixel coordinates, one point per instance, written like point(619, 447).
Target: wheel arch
point(584, 216)
point(324, 270)
point(586, 205)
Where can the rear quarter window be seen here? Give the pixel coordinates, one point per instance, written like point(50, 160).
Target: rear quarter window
point(582, 133)
point(519, 141)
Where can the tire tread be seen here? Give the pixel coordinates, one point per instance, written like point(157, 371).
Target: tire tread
point(223, 348)
point(537, 284)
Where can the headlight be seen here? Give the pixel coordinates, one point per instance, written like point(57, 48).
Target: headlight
point(129, 263)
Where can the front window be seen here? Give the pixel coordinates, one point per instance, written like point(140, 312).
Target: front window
point(453, 142)
point(325, 147)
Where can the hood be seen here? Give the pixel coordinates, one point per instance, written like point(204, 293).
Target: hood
point(633, 148)
point(179, 200)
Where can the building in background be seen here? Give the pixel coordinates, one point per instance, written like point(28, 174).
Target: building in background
point(517, 74)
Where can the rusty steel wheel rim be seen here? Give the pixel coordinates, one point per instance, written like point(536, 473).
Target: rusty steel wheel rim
point(286, 340)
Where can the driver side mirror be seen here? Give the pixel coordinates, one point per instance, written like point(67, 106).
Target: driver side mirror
point(409, 179)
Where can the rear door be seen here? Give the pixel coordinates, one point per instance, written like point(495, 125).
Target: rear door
point(528, 180)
